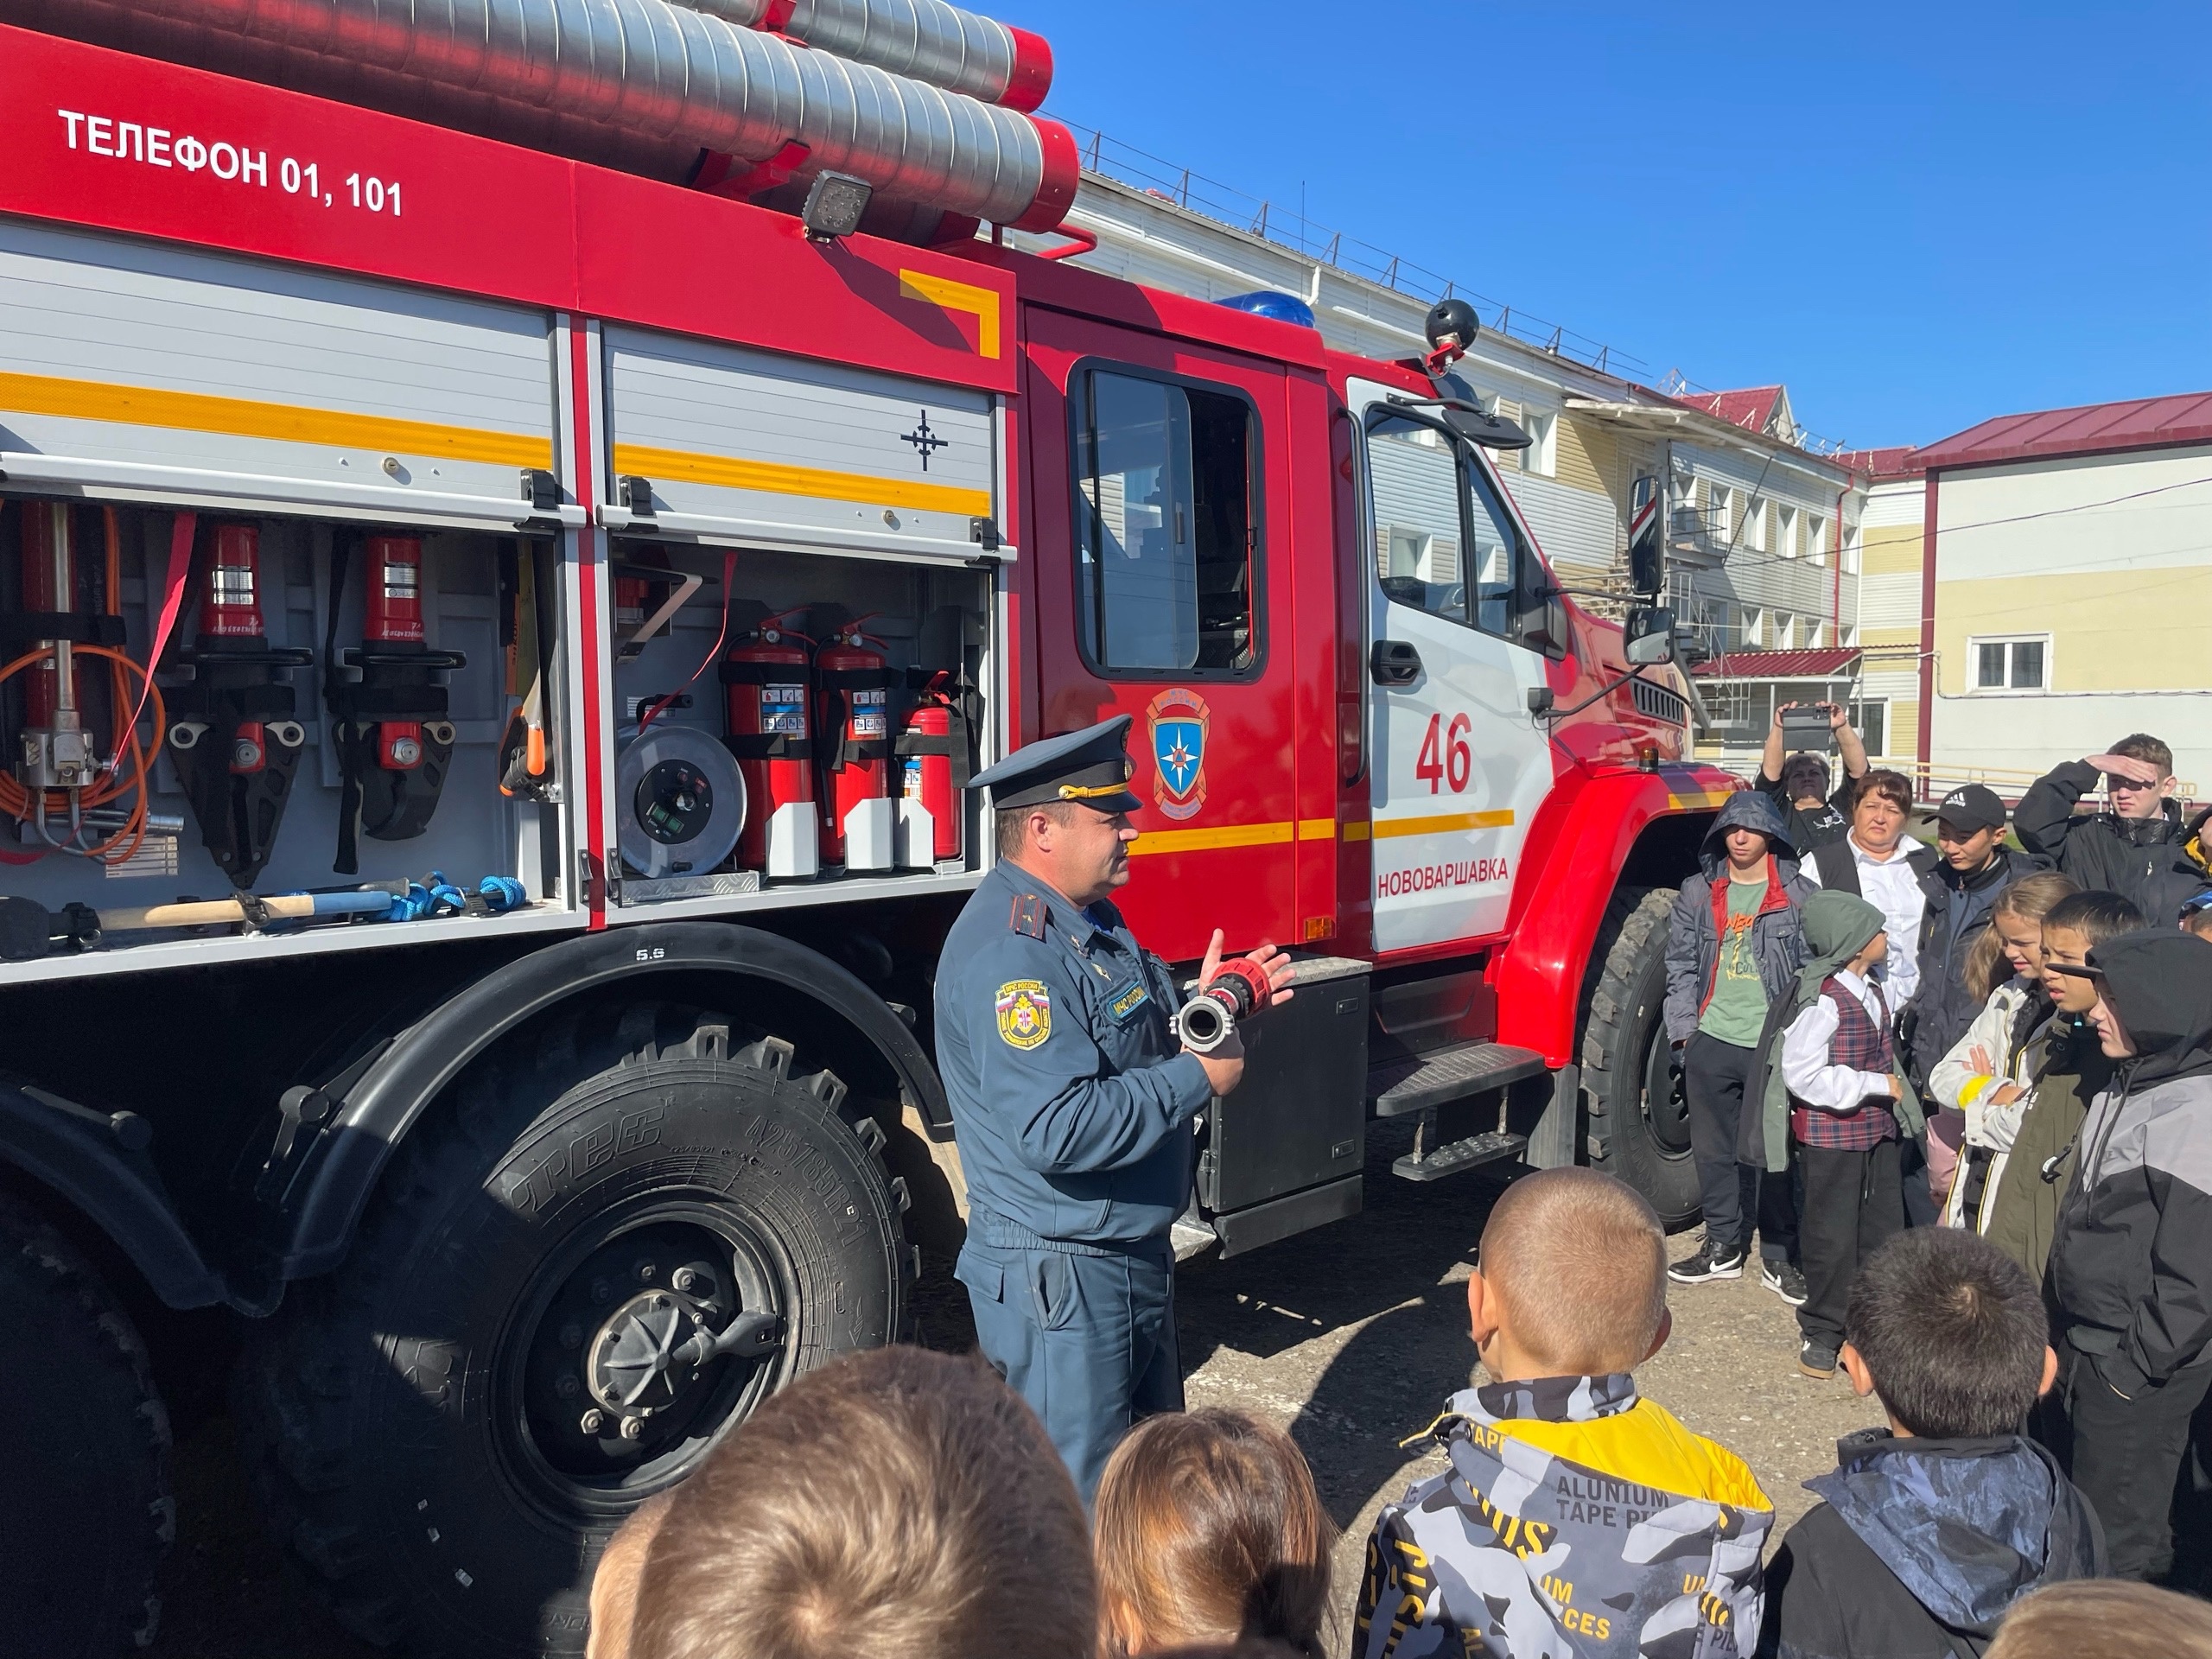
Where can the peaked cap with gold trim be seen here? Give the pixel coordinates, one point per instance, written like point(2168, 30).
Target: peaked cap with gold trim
point(1091, 767)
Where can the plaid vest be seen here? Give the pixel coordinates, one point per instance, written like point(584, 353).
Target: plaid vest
point(1864, 1046)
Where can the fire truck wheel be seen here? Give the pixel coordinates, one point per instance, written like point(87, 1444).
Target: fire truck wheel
point(565, 1292)
point(86, 1514)
point(1638, 1127)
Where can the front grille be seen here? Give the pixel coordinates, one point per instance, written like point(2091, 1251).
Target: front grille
point(1659, 703)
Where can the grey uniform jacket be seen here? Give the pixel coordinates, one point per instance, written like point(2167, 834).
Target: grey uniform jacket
point(1070, 1095)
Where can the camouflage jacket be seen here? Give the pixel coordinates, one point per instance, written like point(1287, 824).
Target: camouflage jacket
point(1577, 1520)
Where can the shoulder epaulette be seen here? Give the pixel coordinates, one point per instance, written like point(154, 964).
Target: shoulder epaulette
point(1029, 915)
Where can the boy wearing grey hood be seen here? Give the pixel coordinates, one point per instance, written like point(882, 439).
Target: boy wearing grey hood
point(1931, 1529)
point(1835, 1090)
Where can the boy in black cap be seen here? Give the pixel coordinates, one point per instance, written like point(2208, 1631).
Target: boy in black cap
point(2130, 1266)
point(1974, 867)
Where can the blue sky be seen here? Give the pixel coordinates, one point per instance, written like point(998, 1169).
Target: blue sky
point(1917, 217)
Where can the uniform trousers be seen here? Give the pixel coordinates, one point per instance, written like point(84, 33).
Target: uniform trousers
point(1086, 1335)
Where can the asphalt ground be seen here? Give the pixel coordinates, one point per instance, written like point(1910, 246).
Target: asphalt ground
point(1350, 1338)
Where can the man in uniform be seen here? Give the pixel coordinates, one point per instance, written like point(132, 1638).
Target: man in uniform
point(1073, 1101)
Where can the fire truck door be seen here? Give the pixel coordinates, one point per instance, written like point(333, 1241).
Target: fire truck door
point(1163, 592)
point(1460, 765)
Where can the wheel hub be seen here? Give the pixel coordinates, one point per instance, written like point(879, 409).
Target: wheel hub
point(633, 1367)
point(641, 1342)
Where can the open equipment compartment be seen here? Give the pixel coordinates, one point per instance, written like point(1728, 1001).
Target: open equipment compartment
point(817, 743)
point(350, 489)
point(272, 721)
point(804, 608)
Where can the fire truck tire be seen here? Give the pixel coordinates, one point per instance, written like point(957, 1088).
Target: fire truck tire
point(85, 1515)
point(1636, 1126)
point(443, 1430)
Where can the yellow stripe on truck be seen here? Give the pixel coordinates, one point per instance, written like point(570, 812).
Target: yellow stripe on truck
point(1389, 829)
point(981, 303)
point(773, 478)
point(243, 418)
point(1206, 841)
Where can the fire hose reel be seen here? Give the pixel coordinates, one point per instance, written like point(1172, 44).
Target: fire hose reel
point(683, 802)
point(1237, 990)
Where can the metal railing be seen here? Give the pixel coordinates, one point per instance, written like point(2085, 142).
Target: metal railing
point(1288, 227)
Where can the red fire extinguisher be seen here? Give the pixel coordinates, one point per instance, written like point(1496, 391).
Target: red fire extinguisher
point(927, 754)
point(767, 703)
point(852, 689)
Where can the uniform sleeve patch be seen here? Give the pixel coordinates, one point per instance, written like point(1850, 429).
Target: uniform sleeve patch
point(1128, 1001)
point(1024, 1008)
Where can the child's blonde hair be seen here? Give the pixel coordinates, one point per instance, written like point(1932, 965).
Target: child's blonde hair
point(2028, 899)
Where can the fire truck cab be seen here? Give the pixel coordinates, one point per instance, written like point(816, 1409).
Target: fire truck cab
point(494, 643)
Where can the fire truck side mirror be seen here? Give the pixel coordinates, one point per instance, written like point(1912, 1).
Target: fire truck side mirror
point(1651, 636)
point(1647, 549)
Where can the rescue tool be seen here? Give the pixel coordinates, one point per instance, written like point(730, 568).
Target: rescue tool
point(394, 740)
point(235, 741)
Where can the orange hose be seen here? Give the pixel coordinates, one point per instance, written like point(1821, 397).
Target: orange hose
point(16, 800)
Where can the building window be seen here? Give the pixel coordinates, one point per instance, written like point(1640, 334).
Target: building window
point(1719, 499)
point(1683, 490)
point(1813, 630)
point(2011, 665)
point(1755, 525)
point(1543, 430)
point(1851, 550)
point(1785, 631)
point(1785, 534)
point(1754, 633)
point(1846, 635)
point(1816, 538)
point(1168, 547)
point(1871, 720)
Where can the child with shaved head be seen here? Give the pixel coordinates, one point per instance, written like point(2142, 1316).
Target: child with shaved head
point(1575, 1516)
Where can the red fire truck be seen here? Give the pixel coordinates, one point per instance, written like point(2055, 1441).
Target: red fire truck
point(510, 545)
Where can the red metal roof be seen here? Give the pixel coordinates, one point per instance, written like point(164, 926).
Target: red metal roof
point(1896, 461)
point(2087, 429)
point(1751, 408)
point(1828, 663)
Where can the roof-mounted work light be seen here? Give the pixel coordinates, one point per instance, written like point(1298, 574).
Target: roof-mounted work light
point(1451, 328)
point(835, 202)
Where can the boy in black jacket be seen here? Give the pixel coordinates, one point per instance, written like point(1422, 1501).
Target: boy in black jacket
point(2138, 848)
point(1933, 1528)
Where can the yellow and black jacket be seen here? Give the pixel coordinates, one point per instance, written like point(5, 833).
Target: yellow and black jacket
point(1576, 1519)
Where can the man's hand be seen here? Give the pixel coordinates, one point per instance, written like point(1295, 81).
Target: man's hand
point(2126, 767)
point(1980, 1062)
point(1839, 717)
point(2004, 1095)
point(1780, 709)
point(1897, 1087)
point(1278, 965)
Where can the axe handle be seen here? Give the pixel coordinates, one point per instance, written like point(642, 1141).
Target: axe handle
point(205, 912)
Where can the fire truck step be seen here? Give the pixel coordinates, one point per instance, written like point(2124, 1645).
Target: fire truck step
point(1398, 1087)
point(1457, 1157)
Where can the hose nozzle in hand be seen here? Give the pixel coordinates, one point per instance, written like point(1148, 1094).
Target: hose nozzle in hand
point(1236, 988)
